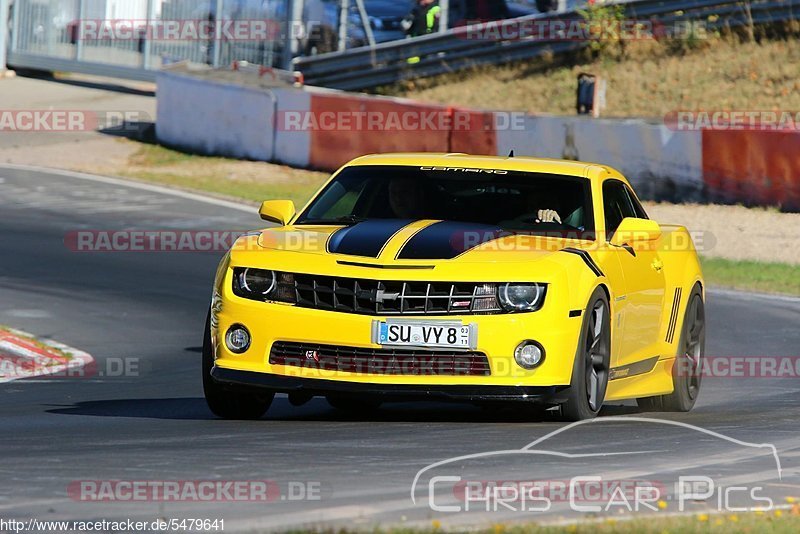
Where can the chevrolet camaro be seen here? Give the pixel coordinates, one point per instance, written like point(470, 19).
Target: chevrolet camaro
point(451, 277)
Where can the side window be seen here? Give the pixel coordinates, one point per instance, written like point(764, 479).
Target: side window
point(637, 206)
point(617, 206)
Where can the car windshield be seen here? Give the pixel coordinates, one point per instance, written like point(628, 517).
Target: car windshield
point(509, 200)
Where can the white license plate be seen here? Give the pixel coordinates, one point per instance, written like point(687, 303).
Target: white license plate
point(445, 334)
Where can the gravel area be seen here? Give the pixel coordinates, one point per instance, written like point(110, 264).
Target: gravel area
point(736, 232)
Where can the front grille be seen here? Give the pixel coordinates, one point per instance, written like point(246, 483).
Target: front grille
point(379, 361)
point(374, 297)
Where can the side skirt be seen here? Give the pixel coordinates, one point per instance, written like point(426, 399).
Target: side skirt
point(655, 381)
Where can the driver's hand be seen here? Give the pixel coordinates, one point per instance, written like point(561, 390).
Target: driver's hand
point(548, 216)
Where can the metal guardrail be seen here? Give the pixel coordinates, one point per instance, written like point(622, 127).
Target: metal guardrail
point(451, 51)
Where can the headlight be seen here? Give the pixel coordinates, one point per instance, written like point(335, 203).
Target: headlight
point(521, 297)
point(261, 284)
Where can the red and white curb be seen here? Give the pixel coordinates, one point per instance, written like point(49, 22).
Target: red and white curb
point(22, 355)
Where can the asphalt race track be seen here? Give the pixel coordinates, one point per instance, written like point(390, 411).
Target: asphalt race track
point(153, 424)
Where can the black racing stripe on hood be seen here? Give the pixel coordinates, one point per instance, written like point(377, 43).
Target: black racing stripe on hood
point(447, 239)
point(366, 238)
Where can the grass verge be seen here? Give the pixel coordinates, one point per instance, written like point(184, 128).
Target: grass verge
point(650, 80)
point(756, 276)
point(775, 522)
point(246, 180)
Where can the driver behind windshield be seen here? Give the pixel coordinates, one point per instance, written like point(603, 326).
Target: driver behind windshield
point(540, 207)
point(406, 199)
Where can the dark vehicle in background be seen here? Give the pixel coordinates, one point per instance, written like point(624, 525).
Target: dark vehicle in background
point(386, 18)
point(321, 21)
point(522, 9)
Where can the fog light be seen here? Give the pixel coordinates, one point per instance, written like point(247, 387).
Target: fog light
point(237, 339)
point(529, 355)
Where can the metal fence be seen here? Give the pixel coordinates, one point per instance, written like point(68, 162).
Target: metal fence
point(56, 35)
point(121, 37)
point(52, 34)
point(455, 50)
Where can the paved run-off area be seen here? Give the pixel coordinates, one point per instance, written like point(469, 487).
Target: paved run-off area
point(150, 423)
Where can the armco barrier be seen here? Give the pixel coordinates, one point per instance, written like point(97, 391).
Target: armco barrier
point(459, 48)
point(753, 167)
point(756, 168)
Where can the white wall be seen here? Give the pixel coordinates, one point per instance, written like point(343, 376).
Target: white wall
point(661, 163)
point(215, 118)
point(292, 147)
point(230, 120)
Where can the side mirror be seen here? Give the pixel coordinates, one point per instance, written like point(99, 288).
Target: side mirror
point(634, 232)
point(277, 211)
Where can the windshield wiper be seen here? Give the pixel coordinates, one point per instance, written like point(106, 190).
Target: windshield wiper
point(345, 219)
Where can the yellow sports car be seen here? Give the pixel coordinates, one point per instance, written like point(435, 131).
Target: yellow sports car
point(455, 277)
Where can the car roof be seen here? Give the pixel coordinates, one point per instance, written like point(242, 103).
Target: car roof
point(515, 163)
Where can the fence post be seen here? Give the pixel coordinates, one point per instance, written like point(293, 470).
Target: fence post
point(15, 26)
point(295, 23)
point(344, 13)
point(77, 30)
point(218, 14)
point(147, 62)
point(362, 13)
point(5, 32)
point(444, 15)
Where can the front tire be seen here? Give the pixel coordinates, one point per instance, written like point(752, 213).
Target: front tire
point(224, 402)
point(589, 382)
point(687, 371)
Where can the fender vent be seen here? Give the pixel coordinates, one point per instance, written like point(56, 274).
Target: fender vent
point(673, 319)
point(587, 259)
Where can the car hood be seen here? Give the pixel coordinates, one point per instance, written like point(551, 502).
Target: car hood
point(402, 242)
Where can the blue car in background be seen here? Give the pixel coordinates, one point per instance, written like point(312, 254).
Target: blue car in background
point(386, 16)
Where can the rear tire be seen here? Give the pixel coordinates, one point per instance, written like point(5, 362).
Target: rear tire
point(687, 372)
point(592, 361)
point(229, 403)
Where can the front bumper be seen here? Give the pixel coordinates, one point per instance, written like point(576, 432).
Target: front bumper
point(498, 336)
point(310, 387)
point(555, 326)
